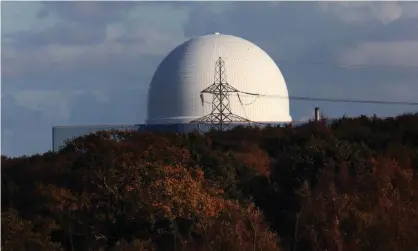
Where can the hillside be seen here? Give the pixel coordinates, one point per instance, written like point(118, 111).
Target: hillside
point(351, 185)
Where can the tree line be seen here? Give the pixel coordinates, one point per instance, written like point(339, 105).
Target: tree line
point(347, 185)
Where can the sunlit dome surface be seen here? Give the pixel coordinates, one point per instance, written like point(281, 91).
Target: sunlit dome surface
point(174, 93)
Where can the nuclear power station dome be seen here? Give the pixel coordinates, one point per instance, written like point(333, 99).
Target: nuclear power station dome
point(174, 95)
point(210, 82)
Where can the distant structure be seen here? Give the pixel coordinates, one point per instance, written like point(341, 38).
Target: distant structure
point(176, 94)
point(317, 114)
point(173, 96)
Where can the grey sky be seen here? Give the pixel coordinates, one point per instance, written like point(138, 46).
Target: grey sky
point(66, 63)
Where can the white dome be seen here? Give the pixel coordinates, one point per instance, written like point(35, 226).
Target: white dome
point(174, 93)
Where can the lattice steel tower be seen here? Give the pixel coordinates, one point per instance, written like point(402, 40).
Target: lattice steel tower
point(221, 116)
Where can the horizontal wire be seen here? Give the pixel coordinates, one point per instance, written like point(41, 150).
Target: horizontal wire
point(335, 100)
point(334, 64)
point(349, 65)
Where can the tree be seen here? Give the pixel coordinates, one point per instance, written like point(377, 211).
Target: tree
point(19, 234)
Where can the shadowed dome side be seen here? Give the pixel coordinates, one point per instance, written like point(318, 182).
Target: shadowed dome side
point(174, 93)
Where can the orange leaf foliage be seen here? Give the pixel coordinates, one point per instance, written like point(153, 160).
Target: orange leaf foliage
point(175, 191)
point(58, 199)
point(18, 234)
point(254, 158)
point(380, 211)
point(238, 229)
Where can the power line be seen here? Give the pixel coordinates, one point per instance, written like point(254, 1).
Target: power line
point(280, 62)
point(349, 65)
point(334, 100)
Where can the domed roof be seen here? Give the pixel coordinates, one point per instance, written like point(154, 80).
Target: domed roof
point(174, 93)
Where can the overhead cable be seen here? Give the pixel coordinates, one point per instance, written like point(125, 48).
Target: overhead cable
point(365, 65)
point(335, 100)
point(349, 65)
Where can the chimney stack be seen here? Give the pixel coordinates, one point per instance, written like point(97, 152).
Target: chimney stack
point(317, 114)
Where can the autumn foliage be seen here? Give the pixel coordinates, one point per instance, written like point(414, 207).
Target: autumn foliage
point(348, 185)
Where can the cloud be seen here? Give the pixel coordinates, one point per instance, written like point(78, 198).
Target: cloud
point(53, 104)
point(127, 56)
point(107, 41)
point(62, 33)
point(23, 130)
point(403, 54)
point(109, 106)
point(361, 12)
point(88, 12)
